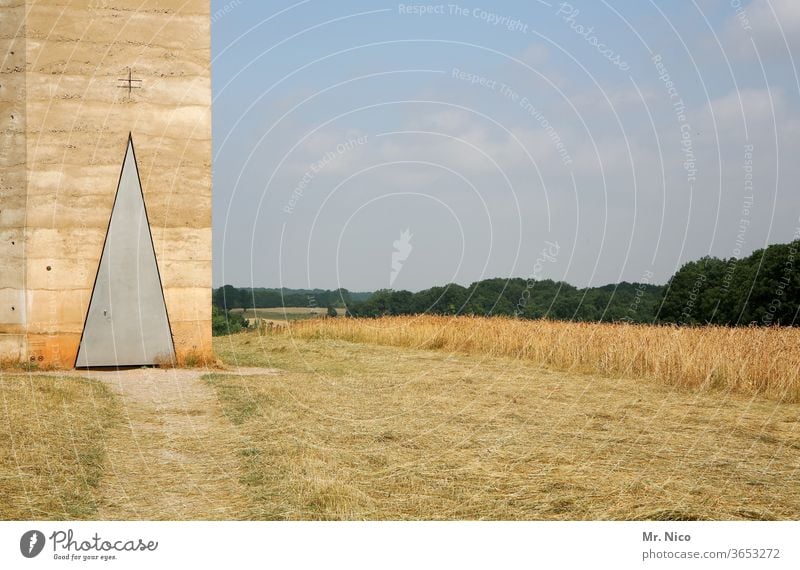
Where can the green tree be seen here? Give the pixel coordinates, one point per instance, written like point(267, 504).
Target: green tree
point(226, 322)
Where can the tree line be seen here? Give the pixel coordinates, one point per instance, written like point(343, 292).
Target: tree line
point(633, 302)
point(761, 289)
point(230, 297)
point(223, 299)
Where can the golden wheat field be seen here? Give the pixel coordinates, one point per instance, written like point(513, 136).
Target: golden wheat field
point(755, 360)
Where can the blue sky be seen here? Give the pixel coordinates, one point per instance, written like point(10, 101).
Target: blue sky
point(624, 138)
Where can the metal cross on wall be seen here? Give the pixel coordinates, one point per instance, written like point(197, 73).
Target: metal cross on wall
point(129, 83)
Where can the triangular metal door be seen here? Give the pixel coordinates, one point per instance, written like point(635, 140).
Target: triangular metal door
point(127, 322)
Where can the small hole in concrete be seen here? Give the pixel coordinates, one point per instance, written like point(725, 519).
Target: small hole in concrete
point(13, 243)
point(13, 309)
point(49, 268)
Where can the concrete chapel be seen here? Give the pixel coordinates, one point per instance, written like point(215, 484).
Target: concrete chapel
point(105, 181)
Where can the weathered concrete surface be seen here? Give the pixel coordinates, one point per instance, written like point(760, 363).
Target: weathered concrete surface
point(63, 151)
point(12, 179)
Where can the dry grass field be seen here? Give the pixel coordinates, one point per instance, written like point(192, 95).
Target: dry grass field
point(52, 446)
point(285, 313)
point(304, 423)
point(363, 431)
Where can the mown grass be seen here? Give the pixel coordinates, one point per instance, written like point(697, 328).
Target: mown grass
point(363, 431)
point(52, 446)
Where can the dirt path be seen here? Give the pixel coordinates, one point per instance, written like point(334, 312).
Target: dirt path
point(175, 455)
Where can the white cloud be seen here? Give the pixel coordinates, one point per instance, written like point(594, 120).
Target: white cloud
point(760, 110)
point(535, 54)
point(756, 105)
point(772, 25)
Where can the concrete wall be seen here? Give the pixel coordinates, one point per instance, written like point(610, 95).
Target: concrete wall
point(12, 179)
point(77, 121)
